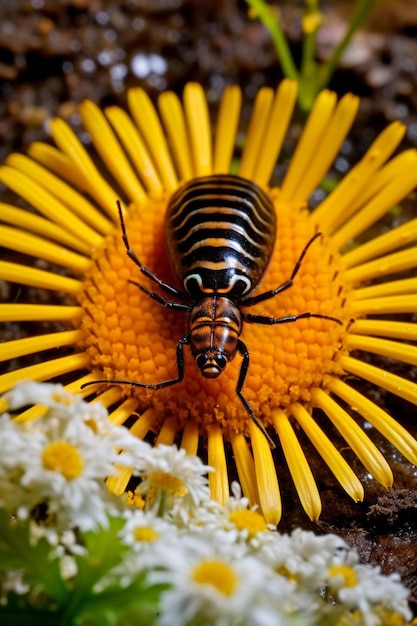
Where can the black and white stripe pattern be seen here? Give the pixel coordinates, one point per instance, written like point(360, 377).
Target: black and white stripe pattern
point(220, 233)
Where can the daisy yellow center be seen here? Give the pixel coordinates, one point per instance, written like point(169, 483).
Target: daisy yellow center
point(167, 482)
point(349, 575)
point(63, 457)
point(251, 521)
point(145, 534)
point(217, 574)
point(130, 336)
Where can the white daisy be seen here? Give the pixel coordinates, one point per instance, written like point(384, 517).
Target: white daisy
point(303, 557)
point(17, 442)
point(61, 404)
point(68, 475)
point(146, 541)
point(62, 459)
point(363, 587)
point(68, 414)
point(236, 521)
point(219, 584)
point(169, 475)
point(149, 539)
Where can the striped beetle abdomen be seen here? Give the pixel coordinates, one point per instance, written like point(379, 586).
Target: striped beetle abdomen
point(220, 233)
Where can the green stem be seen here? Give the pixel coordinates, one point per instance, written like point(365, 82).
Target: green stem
point(163, 503)
point(360, 13)
point(308, 62)
point(271, 23)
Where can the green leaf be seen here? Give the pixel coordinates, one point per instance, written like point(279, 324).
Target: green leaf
point(40, 568)
point(105, 551)
point(134, 603)
point(77, 605)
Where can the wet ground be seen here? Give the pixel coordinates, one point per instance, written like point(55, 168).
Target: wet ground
point(55, 53)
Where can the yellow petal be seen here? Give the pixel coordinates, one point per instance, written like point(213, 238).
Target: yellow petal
point(199, 128)
point(117, 484)
point(393, 192)
point(388, 264)
point(119, 415)
point(24, 275)
point(298, 465)
point(19, 240)
point(146, 422)
point(387, 426)
point(226, 127)
point(190, 438)
point(135, 147)
point(245, 467)
point(332, 457)
point(173, 119)
point(382, 378)
point(395, 238)
point(108, 147)
point(33, 345)
point(36, 224)
point(147, 121)
point(168, 432)
point(327, 149)
point(266, 476)
point(348, 195)
point(65, 193)
point(277, 127)
point(306, 151)
point(381, 306)
point(45, 370)
point(107, 398)
point(39, 197)
point(58, 162)
point(218, 480)
point(87, 174)
point(256, 132)
point(391, 288)
point(362, 446)
point(39, 313)
point(391, 349)
point(386, 328)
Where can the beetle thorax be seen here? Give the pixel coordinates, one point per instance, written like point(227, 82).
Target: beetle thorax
point(215, 326)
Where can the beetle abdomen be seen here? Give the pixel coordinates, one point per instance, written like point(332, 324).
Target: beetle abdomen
point(220, 233)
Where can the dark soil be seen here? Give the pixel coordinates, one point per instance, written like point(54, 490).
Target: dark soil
point(55, 53)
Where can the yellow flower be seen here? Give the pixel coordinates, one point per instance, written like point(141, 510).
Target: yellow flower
point(113, 330)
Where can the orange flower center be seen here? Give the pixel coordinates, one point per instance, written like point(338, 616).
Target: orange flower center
point(131, 337)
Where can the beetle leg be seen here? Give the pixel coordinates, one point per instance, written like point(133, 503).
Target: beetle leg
point(174, 306)
point(145, 271)
point(242, 375)
point(264, 319)
point(288, 283)
point(164, 383)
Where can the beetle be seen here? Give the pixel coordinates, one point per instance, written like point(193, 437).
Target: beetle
point(220, 232)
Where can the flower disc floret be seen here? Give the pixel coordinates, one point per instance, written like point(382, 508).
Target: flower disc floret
point(220, 584)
